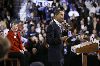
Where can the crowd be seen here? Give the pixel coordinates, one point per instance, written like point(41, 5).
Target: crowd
point(29, 37)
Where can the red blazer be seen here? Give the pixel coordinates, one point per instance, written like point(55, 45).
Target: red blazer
point(16, 43)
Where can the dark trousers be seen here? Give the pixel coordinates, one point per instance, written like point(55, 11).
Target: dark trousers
point(59, 63)
point(55, 64)
point(24, 58)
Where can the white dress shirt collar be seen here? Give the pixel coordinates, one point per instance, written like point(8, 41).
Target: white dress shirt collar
point(59, 24)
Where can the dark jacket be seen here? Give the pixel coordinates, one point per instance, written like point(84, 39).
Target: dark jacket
point(55, 52)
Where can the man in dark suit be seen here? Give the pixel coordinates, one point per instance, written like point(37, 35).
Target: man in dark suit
point(55, 40)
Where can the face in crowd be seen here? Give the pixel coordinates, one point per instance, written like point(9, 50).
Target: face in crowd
point(17, 27)
point(14, 27)
point(59, 16)
point(20, 26)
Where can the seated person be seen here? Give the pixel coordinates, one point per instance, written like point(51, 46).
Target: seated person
point(17, 50)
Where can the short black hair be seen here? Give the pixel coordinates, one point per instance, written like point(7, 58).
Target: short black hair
point(57, 11)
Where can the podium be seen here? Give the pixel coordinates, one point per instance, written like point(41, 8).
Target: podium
point(85, 48)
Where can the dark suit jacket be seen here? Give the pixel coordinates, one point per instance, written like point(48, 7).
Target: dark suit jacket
point(55, 43)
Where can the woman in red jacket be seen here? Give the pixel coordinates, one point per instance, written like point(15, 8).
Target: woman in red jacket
point(17, 50)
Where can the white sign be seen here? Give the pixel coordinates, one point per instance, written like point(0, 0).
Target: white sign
point(44, 2)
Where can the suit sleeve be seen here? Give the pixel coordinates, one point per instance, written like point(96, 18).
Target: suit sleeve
point(52, 37)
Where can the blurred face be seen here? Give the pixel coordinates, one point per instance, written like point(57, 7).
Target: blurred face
point(42, 31)
point(60, 16)
point(33, 28)
point(15, 28)
point(20, 27)
point(41, 38)
point(82, 22)
point(94, 32)
point(42, 26)
point(75, 31)
point(34, 39)
point(44, 34)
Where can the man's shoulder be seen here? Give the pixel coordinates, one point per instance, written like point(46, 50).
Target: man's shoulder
point(53, 23)
point(50, 27)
